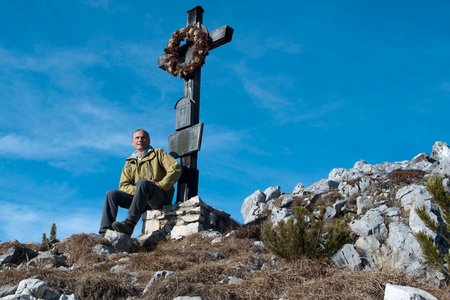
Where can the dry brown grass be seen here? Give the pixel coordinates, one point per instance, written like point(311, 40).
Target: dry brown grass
point(407, 177)
point(328, 199)
point(79, 249)
point(249, 231)
point(202, 269)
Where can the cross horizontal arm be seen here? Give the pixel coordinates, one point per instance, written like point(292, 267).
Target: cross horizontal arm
point(221, 36)
point(218, 37)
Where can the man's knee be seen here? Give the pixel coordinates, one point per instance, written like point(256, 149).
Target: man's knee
point(146, 185)
point(111, 195)
point(141, 182)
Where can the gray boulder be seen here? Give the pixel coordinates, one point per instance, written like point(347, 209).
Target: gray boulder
point(120, 241)
point(160, 275)
point(18, 297)
point(48, 260)
point(398, 292)
point(254, 207)
point(349, 188)
point(410, 195)
point(441, 153)
point(272, 192)
point(372, 223)
point(38, 289)
point(402, 250)
point(8, 289)
point(103, 250)
point(369, 247)
point(322, 186)
point(299, 189)
point(17, 255)
point(347, 257)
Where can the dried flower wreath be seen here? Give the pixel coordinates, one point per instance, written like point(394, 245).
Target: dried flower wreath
point(171, 53)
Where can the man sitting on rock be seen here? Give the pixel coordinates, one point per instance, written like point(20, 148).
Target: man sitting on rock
point(146, 183)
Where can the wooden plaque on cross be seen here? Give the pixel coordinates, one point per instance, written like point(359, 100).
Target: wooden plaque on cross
point(185, 142)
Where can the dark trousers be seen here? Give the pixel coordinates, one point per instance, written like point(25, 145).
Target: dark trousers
point(147, 196)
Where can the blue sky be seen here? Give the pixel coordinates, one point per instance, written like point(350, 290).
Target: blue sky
point(304, 86)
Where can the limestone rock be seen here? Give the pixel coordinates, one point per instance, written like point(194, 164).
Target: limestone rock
point(287, 200)
point(69, 297)
point(103, 250)
point(398, 292)
point(272, 192)
point(369, 247)
point(440, 151)
point(372, 223)
point(160, 275)
point(149, 239)
point(416, 224)
point(8, 289)
point(349, 188)
point(402, 250)
point(180, 231)
point(17, 255)
point(365, 168)
point(254, 206)
point(299, 189)
point(231, 280)
point(120, 241)
point(322, 186)
point(48, 260)
point(363, 203)
point(38, 289)
point(347, 257)
point(19, 297)
point(280, 214)
point(411, 194)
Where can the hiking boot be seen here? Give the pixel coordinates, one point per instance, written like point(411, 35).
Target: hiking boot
point(126, 227)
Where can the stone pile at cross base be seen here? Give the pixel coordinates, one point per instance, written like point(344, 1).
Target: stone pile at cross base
point(381, 200)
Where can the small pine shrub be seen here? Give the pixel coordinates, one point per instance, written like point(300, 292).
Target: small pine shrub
point(297, 237)
point(53, 233)
point(45, 244)
point(436, 257)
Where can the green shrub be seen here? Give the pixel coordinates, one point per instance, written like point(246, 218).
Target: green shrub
point(297, 237)
point(46, 243)
point(53, 233)
point(436, 256)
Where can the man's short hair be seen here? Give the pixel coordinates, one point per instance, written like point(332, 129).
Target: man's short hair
point(143, 130)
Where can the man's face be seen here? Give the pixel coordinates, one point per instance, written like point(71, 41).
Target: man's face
point(140, 141)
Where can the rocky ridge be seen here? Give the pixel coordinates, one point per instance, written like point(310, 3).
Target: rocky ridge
point(381, 200)
point(213, 265)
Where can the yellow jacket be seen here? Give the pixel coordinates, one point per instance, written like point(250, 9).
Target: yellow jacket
point(156, 165)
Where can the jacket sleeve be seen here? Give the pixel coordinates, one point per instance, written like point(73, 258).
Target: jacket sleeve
point(173, 169)
point(126, 183)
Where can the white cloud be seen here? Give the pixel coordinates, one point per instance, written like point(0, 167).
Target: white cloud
point(54, 107)
point(277, 95)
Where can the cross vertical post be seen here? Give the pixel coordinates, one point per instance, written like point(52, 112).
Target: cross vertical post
point(189, 189)
point(185, 143)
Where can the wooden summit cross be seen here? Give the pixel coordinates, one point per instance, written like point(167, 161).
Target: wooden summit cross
point(185, 143)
